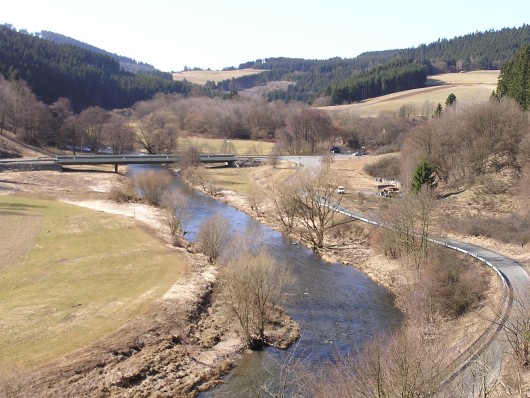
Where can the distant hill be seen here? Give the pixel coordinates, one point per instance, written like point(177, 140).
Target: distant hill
point(85, 77)
point(127, 64)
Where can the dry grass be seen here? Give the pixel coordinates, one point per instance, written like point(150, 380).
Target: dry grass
point(202, 76)
point(219, 145)
point(471, 87)
point(80, 277)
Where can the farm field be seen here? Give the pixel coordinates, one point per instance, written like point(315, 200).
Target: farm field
point(202, 76)
point(470, 87)
point(219, 145)
point(74, 277)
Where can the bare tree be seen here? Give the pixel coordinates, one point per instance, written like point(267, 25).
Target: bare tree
point(310, 200)
point(402, 365)
point(18, 94)
point(35, 120)
point(175, 205)
point(253, 283)
point(73, 132)
point(119, 134)
point(5, 93)
point(60, 110)
point(92, 121)
point(408, 221)
point(517, 330)
point(309, 129)
point(255, 196)
point(213, 236)
point(158, 132)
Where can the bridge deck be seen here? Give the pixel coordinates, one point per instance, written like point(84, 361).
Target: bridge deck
point(65, 160)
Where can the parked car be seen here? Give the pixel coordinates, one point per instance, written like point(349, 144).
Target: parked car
point(340, 189)
point(334, 149)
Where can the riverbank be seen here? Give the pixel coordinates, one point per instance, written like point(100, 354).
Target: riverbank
point(182, 345)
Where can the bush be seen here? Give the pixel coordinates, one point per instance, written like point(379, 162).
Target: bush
point(152, 186)
point(388, 167)
point(455, 288)
point(514, 229)
point(447, 286)
point(122, 193)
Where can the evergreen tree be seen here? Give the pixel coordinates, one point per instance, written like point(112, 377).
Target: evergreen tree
point(438, 111)
point(451, 99)
point(423, 176)
point(514, 79)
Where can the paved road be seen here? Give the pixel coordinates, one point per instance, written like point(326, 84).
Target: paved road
point(311, 161)
point(491, 343)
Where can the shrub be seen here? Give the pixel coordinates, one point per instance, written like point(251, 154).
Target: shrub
point(122, 193)
point(388, 167)
point(455, 288)
point(447, 286)
point(152, 185)
point(514, 228)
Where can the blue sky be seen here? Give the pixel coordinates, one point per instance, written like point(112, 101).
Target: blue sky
point(216, 34)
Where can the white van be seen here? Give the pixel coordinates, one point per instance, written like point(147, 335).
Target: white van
point(340, 189)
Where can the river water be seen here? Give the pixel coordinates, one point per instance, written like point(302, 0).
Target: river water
point(338, 307)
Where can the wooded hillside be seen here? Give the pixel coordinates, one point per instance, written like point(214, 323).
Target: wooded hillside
point(314, 78)
point(87, 78)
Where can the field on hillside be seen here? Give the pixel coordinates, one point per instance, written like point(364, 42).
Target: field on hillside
point(72, 276)
point(470, 87)
point(202, 76)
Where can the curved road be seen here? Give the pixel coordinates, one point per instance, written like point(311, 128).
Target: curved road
point(516, 283)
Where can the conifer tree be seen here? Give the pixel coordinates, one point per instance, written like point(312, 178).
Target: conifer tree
point(514, 79)
point(423, 176)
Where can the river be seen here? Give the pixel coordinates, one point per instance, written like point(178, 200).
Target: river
point(337, 306)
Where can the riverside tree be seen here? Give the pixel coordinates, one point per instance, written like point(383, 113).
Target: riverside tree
point(306, 204)
point(253, 282)
point(175, 205)
point(213, 236)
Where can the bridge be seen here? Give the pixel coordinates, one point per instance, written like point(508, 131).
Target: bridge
point(116, 160)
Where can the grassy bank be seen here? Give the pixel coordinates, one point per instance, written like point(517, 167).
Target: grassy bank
point(80, 276)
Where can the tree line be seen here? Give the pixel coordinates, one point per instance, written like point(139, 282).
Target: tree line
point(393, 77)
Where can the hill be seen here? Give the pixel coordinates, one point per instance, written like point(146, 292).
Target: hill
point(313, 78)
point(126, 63)
point(85, 77)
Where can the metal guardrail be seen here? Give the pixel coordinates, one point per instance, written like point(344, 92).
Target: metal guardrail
point(462, 361)
point(138, 159)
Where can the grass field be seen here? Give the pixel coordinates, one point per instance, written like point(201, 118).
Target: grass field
point(79, 277)
point(202, 76)
point(218, 145)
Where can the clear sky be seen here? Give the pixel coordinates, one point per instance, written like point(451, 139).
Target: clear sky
point(219, 33)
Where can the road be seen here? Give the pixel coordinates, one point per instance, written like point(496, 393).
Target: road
point(492, 343)
point(313, 161)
